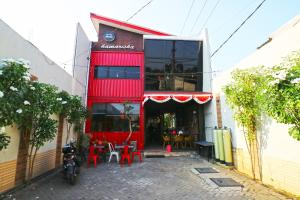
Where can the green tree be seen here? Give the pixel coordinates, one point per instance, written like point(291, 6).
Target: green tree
point(243, 96)
point(281, 93)
point(27, 104)
point(30, 105)
point(4, 139)
point(14, 76)
point(73, 111)
point(41, 102)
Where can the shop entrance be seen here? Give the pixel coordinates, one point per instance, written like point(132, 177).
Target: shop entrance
point(171, 118)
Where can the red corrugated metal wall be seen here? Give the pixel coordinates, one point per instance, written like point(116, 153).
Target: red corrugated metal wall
point(117, 90)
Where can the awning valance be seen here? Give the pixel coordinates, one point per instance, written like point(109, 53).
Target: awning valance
point(180, 98)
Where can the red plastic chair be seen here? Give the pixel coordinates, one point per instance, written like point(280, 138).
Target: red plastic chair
point(92, 156)
point(135, 151)
point(125, 155)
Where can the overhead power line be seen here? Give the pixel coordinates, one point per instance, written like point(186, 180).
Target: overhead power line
point(210, 14)
point(201, 10)
point(187, 16)
point(228, 20)
point(81, 53)
point(236, 30)
point(139, 10)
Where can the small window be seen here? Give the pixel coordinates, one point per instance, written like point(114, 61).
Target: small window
point(101, 72)
point(117, 72)
point(133, 72)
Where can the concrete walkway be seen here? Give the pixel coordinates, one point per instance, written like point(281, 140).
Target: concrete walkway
point(169, 178)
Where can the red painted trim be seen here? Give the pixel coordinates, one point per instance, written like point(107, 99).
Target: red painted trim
point(112, 52)
point(127, 25)
point(174, 92)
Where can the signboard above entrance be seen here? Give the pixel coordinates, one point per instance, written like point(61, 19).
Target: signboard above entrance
point(114, 39)
point(112, 46)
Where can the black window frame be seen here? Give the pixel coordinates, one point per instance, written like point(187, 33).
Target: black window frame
point(110, 118)
point(187, 58)
point(127, 75)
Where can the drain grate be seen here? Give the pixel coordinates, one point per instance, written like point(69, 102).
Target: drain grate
point(154, 156)
point(206, 170)
point(226, 182)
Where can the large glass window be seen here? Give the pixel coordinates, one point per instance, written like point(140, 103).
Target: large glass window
point(173, 65)
point(110, 117)
point(117, 72)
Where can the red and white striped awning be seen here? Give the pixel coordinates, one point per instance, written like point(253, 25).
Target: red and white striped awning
point(180, 98)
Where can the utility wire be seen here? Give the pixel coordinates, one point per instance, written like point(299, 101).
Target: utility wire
point(67, 61)
point(234, 16)
point(201, 10)
point(139, 10)
point(210, 14)
point(187, 16)
point(256, 9)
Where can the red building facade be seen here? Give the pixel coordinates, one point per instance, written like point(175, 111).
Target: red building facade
point(117, 75)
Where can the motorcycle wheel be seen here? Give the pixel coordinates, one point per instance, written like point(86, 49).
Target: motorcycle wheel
point(72, 179)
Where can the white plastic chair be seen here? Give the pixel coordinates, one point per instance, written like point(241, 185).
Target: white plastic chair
point(112, 152)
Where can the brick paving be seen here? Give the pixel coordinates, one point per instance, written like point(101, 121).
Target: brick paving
point(153, 179)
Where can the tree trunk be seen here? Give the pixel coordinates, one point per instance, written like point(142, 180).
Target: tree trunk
point(252, 160)
point(258, 157)
point(130, 131)
point(249, 148)
point(22, 157)
point(30, 163)
point(59, 141)
point(68, 131)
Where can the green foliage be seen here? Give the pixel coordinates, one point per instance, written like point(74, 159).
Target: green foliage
point(243, 96)
point(45, 131)
point(14, 78)
point(39, 102)
point(30, 104)
point(281, 93)
point(4, 141)
point(71, 108)
point(73, 111)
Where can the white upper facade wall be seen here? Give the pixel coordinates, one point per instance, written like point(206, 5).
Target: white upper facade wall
point(81, 63)
point(15, 46)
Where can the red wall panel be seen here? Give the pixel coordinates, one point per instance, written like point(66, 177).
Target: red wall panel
point(116, 87)
point(117, 90)
point(117, 137)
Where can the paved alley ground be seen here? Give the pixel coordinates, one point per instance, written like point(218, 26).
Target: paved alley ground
point(170, 178)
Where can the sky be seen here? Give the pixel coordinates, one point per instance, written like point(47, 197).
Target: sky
point(51, 25)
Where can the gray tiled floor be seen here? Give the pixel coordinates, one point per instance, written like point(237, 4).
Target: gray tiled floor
point(155, 178)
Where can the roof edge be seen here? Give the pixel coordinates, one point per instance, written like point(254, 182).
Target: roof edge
point(126, 26)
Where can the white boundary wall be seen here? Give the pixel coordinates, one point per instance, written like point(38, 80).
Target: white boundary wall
point(280, 152)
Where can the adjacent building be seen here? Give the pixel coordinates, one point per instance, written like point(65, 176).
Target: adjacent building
point(279, 151)
point(13, 160)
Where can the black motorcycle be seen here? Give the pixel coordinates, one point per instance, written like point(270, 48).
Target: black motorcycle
point(71, 165)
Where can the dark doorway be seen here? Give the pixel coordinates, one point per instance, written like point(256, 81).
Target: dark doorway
point(171, 117)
